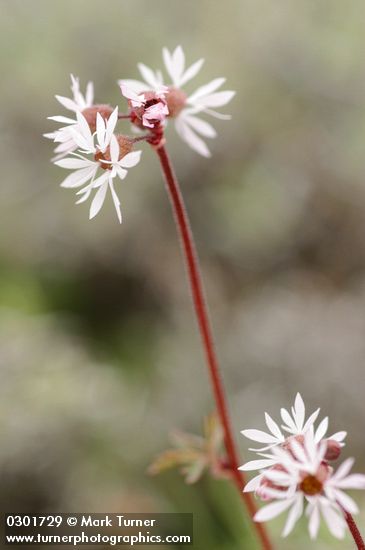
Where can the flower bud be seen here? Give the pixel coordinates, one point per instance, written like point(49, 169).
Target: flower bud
point(333, 450)
point(90, 114)
point(125, 147)
point(152, 112)
point(176, 101)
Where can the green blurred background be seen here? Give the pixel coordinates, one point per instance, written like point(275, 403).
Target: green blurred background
point(99, 356)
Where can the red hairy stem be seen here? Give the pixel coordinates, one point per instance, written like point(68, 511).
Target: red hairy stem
point(356, 535)
point(201, 310)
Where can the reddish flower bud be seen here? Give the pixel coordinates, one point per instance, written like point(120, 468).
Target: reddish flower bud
point(176, 101)
point(152, 111)
point(333, 450)
point(91, 112)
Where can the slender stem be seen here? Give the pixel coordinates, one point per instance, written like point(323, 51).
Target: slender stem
point(121, 116)
point(145, 137)
point(354, 531)
point(201, 310)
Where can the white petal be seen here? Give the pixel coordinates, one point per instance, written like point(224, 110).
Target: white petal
point(89, 94)
point(149, 76)
point(116, 200)
point(100, 131)
point(266, 448)
point(298, 451)
point(131, 159)
point(50, 135)
point(272, 510)
point(207, 89)
point(86, 194)
point(283, 456)
point(338, 436)
point(353, 481)
point(98, 200)
point(178, 60)
point(214, 100)
point(321, 430)
point(273, 427)
point(343, 469)
point(111, 124)
point(131, 94)
point(346, 502)
point(288, 420)
point(121, 172)
point(171, 68)
point(114, 149)
point(279, 477)
point(100, 180)
point(257, 465)
point(253, 484)
point(294, 515)
point(277, 494)
point(191, 72)
point(201, 126)
point(258, 435)
point(299, 411)
point(62, 119)
point(84, 127)
point(74, 163)
point(85, 144)
point(136, 85)
point(334, 521)
point(68, 103)
point(311, 420)
point(65, 148)
point(211, 112)
point(78, 178)
point(314, 520)
point(190, 137)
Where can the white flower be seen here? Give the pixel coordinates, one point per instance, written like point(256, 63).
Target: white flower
point(106, 152)
point(295, 424)
point(79, 102)
point(306, 479)
point(185, 108)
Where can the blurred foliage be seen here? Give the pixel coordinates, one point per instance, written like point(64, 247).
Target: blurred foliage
point(194, 454)
point(99, 357)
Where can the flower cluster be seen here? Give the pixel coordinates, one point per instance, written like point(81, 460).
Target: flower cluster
point(181, 107)
point(98, 154)
point(295, 472)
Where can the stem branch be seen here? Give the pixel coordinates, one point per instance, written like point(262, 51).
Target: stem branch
point(201, 310)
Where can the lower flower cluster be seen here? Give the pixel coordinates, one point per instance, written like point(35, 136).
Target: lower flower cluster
point(296, 474)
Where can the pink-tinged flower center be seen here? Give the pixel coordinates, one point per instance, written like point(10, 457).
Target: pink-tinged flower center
point(151, 113)
point(310, 485)
point(125, 147)
point(176, 101)
point(90, 114)
point(287, 443)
